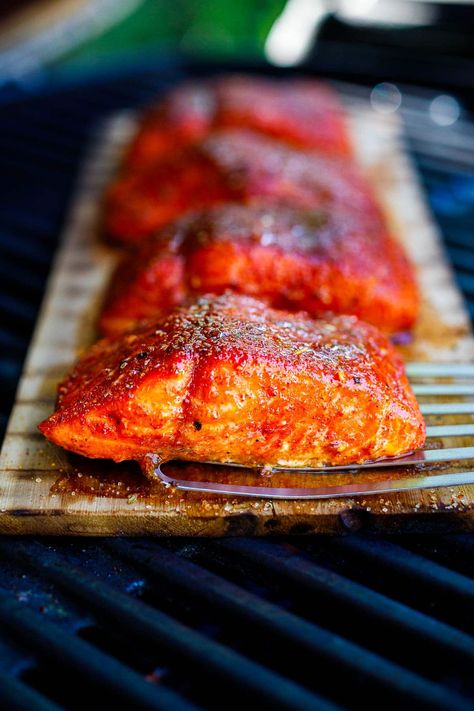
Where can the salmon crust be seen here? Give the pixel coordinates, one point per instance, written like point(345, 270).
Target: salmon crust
point(316, 261)
point(229, 379)
point(303, 113)
point(232, 165)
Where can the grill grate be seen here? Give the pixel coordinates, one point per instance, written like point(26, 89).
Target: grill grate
point(209, 622)
point(308, 624)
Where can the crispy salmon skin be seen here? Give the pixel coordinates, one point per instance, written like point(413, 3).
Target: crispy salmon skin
point(229, 379)
point(296, 259)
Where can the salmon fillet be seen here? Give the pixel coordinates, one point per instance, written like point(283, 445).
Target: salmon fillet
point(232, 165)
point(303, 113)
point(316, 261)
point(229, 379)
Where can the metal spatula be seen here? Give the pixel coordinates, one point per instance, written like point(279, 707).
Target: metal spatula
point(420, 470)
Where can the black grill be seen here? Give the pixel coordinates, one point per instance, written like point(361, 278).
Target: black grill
point(181, 624)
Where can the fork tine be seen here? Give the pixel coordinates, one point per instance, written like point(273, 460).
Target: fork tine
point(449, 430)
point(440, 370)
point(418, 458)
point(443, 389)
point(323, 492)
point(447, 408)
point(425, 456)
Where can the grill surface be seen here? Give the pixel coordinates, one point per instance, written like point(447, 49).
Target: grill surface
point(178, 624)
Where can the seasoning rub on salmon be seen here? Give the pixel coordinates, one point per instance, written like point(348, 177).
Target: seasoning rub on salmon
point(296, 259)
point(232, 165)
point(229, 379)
point(303, 113)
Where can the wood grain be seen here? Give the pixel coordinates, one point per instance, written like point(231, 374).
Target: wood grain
point(45, 491)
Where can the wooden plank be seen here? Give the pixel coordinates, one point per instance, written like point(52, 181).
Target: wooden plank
point(45, 491)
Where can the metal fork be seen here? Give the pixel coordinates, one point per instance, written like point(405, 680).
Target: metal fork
point(421, 476)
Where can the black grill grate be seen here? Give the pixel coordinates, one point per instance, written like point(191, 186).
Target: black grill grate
point(176, 624)
point(185, 624)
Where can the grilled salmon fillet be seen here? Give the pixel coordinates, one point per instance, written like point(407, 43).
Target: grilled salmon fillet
point(229, 379)
point(316, 261)
point(231, 165)
point(303, 113)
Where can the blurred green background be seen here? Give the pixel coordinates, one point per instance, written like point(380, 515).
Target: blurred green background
point(66, 37)
point(204, 27)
